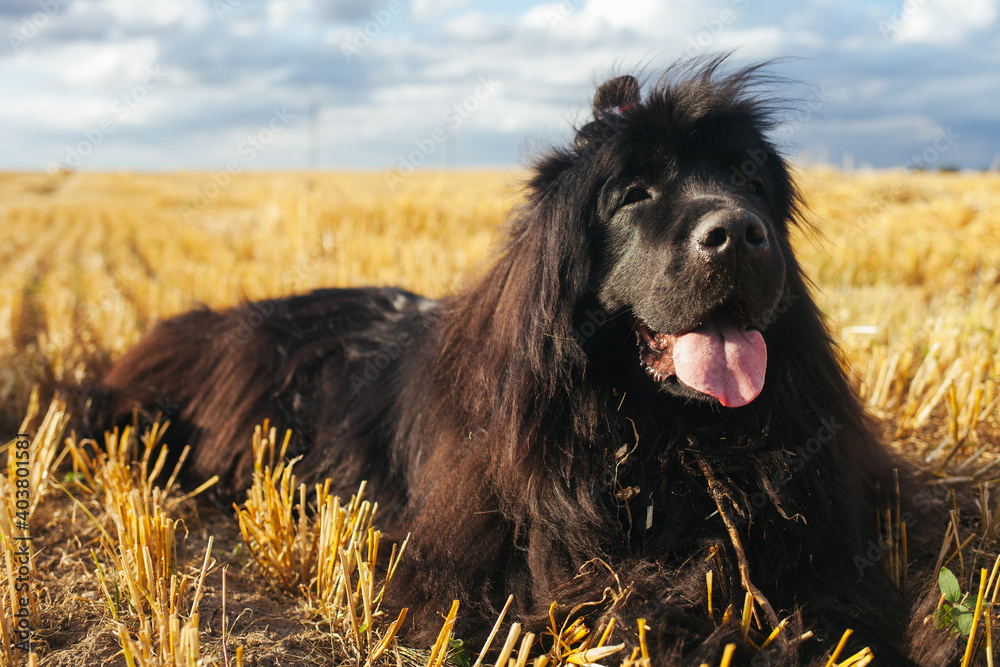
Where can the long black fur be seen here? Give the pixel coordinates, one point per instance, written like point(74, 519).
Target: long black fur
point(513, 431)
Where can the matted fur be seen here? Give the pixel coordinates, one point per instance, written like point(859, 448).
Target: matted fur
point(512, 431)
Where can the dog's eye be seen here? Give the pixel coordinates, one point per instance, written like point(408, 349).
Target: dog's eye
point(754, 186)
point(634, 194)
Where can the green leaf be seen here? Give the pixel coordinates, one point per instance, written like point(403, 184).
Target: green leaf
point(963, 621)
point(458, 657)
point(944, 617)
point(949, 585)
point(955, 618)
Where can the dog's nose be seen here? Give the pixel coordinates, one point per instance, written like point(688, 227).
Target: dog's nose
point(731, 232)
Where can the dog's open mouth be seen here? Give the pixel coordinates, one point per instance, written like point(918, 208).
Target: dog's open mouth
point(720, 357)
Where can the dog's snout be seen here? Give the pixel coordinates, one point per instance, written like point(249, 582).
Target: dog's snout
point(731, 232)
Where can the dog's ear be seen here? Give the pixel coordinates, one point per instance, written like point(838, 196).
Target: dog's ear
point(612, 97)
point(618, 93)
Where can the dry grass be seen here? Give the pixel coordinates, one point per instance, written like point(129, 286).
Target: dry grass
point(906, 265)
point(153, 607)
point(909, 272)
point(318, 554)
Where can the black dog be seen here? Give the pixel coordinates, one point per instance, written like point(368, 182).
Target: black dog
point(639, 391)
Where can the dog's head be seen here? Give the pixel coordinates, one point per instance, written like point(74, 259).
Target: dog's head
point(687, 207)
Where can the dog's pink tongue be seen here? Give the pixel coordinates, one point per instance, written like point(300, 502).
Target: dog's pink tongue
point(722, 360)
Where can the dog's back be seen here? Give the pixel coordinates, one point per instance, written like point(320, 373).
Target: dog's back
point(320, 364)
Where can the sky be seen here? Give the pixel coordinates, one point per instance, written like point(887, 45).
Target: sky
point(400, 84)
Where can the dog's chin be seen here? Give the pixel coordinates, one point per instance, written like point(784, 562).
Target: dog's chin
point(674, 388)
point(718, 359)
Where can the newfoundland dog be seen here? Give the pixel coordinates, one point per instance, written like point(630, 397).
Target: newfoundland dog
point(640, 391)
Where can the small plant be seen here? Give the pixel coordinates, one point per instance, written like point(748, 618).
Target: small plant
point(457, 653)
point(954, 615)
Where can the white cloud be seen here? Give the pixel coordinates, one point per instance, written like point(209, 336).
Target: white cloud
point(640, 16)
point(281, 12)
point(901, 127)
point(475, 27)
point(936, 70)
point(98, 67)
point(131, 14)
point(939, 22)
point(425, 10)
point(607, 19)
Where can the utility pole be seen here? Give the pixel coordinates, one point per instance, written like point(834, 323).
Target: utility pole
point(449, 148)
point(314, 109)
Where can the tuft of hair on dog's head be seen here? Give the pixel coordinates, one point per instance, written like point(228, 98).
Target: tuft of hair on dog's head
point(698, 82)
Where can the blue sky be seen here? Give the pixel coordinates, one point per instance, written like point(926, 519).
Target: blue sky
point(199, 84)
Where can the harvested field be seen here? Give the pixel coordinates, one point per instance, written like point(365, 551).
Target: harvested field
point(906, 265)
